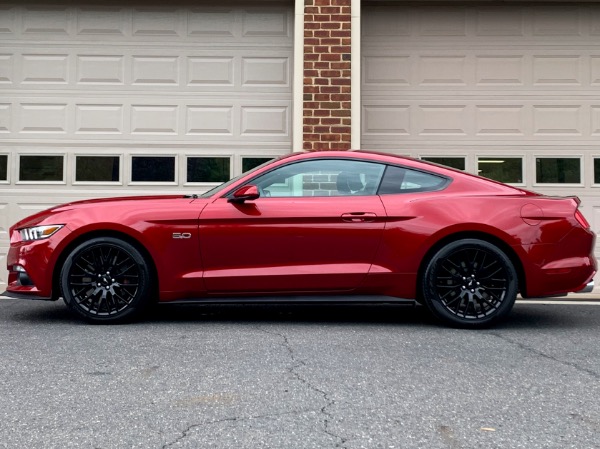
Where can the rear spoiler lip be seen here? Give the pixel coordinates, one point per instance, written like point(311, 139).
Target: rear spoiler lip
point(576, 199)
point(573, 198)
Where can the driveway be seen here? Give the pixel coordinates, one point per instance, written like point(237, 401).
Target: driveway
point(299, 377)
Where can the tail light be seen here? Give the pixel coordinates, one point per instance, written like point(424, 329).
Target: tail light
point(578, 215)
point(581, 219)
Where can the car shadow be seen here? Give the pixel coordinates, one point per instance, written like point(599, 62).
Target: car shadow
point(293, 313)
point(40, 313)
point(552, 316)
point(523, 316)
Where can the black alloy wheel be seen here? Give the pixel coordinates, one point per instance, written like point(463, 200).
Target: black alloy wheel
point(105, 280)
point(470, 283)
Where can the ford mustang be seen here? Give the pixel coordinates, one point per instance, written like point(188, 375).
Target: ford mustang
point(336, 227)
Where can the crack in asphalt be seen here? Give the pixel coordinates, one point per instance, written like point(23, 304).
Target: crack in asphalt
point(185, 433)
point(297, 363)
point(539, 353)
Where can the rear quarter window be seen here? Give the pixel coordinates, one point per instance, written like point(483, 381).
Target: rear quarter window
point(406, 180)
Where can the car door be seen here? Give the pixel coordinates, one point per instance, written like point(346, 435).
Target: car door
point(315, 227)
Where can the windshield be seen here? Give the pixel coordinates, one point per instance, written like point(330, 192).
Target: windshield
point(224, 186)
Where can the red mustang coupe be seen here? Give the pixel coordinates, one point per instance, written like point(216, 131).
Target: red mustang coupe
point(322, 226)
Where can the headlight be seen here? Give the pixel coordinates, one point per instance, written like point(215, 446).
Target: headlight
point(38, 232)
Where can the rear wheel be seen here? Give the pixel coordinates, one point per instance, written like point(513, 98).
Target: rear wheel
point(105, 280)
point(470, 283)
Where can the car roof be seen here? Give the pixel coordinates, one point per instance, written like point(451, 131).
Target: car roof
point(374, 156)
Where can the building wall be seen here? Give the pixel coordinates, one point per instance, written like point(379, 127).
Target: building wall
point(210, 89)
point(327, 75)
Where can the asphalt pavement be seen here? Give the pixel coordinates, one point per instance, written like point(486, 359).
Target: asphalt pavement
point(299, 377)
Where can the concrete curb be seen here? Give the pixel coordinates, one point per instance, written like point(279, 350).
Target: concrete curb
point(593, 296)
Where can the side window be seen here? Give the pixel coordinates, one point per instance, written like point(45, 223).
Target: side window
point(322, 177)
point(405, 180)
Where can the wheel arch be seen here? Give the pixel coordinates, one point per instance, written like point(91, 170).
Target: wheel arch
point(480, 235)
point(102, 233)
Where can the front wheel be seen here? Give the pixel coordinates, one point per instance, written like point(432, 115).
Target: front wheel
point(106, 280)
point(470, 283)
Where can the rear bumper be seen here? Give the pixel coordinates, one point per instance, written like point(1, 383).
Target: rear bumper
point(567, 266)
point(588, 288)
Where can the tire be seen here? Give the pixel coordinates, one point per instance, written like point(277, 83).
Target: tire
point(106, 280)
point(470, 283)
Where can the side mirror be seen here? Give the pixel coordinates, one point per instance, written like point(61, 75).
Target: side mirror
point(246, 193)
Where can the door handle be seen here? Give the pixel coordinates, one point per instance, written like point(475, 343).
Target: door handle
point(359, 217)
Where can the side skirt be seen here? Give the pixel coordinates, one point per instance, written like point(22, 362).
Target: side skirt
point(354, 299)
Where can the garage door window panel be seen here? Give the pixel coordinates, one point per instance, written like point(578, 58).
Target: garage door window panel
point(3, 168)
point(322, 178)
point(504, 169)
point(98, 169)
point(248, 163)
point(452, 162)
point(597, 171)
point(558, 170)
point(208, 169)
point(154, 169)
point(42, 169)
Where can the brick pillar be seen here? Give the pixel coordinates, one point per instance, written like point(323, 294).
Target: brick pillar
point(326, 119)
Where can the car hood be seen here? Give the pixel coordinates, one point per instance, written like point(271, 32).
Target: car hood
point(109, 209)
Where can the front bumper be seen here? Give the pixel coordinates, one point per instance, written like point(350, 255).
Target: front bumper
point(30, 267)
point(15, 295)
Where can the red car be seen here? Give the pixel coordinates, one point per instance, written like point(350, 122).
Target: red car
point(321, 226)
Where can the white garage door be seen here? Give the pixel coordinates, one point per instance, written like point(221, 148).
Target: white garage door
point(508, 91)
point(113, 100)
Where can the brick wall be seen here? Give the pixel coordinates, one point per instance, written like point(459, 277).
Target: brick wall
point(323, 184)
point(326, 121)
